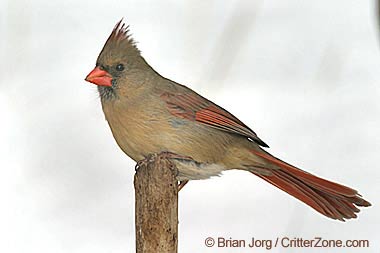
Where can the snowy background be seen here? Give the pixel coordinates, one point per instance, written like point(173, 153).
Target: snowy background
point(303, 74)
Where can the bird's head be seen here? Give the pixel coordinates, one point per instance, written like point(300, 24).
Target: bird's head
point(118, 62)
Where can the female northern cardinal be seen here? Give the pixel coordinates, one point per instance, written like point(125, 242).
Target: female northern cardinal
point(148, 114)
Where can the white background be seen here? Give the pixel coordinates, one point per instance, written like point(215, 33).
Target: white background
point(303, 74)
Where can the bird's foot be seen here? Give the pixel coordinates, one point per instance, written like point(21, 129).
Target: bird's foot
point(150, 158)
point(164, 154)
point(171, 155)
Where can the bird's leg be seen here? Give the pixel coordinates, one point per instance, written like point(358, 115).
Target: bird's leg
point(145, 161)
point(167, 155)
point(182, 184)
point(164, 154)
point(171, 155)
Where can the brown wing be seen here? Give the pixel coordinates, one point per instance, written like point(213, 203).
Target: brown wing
point(196, 108)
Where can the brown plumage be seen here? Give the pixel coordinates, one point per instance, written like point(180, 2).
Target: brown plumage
point(148, 113)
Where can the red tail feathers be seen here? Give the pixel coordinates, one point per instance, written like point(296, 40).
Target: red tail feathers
point(330, 199)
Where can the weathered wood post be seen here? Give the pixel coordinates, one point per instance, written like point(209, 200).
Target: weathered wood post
point(156, 202)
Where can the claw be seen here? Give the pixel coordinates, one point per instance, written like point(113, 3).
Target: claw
point(182, 184)
point(145, 161)
point(167, 155)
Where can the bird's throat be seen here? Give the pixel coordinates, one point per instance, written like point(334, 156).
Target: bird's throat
point(107, 93)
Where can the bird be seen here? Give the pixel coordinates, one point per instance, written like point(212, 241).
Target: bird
point(150, 114)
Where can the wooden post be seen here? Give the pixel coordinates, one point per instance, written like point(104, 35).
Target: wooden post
point(156, 202)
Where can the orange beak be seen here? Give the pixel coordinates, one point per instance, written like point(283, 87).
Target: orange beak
point(99, 77)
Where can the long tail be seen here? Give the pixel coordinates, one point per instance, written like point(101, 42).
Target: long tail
point(330, 199)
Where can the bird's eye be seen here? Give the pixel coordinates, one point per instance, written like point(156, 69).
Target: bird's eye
point(120, 67)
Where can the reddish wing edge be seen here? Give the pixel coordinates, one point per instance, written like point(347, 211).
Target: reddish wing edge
point(196, 108)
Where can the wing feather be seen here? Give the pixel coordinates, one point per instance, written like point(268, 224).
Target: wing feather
point(197, 108)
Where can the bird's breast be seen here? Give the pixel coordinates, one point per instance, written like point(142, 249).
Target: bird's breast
point(145, 128)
